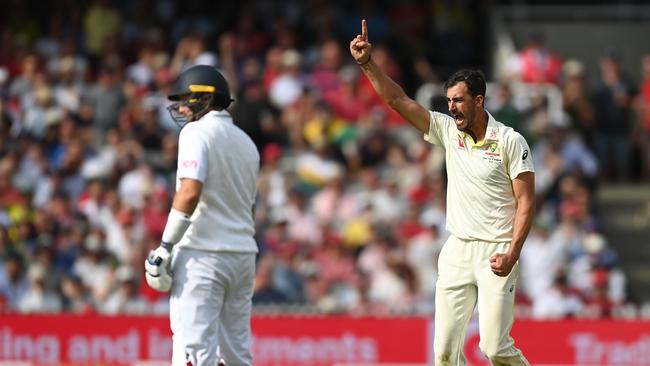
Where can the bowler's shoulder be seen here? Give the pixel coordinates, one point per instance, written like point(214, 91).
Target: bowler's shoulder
point(442, 120)
point(509, 134)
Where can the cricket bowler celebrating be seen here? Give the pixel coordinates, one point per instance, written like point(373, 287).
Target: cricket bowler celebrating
point(490, 209)
point(207, 254)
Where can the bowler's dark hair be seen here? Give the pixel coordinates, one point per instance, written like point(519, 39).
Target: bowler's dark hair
point(474, 79)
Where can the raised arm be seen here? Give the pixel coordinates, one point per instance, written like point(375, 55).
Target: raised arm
point(388, 90)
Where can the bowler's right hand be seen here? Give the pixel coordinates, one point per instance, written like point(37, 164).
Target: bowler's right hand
point(359, 46)
point(157, 272)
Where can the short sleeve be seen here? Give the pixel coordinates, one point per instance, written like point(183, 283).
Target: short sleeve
point(192, 155)
point(519, 156)
point(438, 129)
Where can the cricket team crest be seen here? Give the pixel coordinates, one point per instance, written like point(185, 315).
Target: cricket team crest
point(492, 152)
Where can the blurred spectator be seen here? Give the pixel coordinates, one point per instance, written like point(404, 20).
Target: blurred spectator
point(561, 301)
point(384, 60)
point(421, 255)
point(542, 260)
point(596, 270)
point(504, 110)
point(14, 283)
point(101, 21)
point(325, 74)
point(75, 298)
point(106, 99)
point(287, 87)
point(125, 298)
point(612, 100)
point(273, 182)
point(93, 268)
point(643, 110)
point(535, 63)
point(42, 114)
point(303, 226)
point(376, 262)
point(332, 205)
point(142, 71)
point(562, 153)
point(39, 299)
point(191, 51)
point(344, 98)
point(22, 84)
point(256, 116)
point(263, 290)
point(576, 101)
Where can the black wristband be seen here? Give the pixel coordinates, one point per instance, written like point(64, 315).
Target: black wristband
point(366, 61)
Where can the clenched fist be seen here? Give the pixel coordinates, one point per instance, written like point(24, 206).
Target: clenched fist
point(157, 272)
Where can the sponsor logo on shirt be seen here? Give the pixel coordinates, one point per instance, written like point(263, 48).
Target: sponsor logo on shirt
point(192, 164)
point(461, 143)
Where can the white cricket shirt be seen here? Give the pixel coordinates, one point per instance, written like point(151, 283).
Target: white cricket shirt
point(219, 154)
point(480, 199)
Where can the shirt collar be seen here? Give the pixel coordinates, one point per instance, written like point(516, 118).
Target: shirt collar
point(491, 132)
point(223, 114)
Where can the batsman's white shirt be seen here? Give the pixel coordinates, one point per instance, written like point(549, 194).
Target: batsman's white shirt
point(480, 200)
point(214, 151)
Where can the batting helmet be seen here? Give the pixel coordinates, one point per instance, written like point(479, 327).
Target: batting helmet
point(199, 88)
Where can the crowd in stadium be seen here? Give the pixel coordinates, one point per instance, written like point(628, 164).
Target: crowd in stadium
point(351, 208)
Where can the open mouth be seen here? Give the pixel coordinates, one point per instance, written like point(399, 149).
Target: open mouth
point(460, 119)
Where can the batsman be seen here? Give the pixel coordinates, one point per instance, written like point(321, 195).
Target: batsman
point(490, 209)
point(207, 254)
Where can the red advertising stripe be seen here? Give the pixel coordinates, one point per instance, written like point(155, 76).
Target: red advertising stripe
point(585, 342)
point(277, 340)
point(327, 340)
point(84, 340)
point(339, 340)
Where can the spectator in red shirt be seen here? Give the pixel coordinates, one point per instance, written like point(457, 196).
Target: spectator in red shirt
point(535, 63)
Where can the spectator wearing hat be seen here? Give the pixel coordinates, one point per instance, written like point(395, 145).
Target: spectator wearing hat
point(289, 85)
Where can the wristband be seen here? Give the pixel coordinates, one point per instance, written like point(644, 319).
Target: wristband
point(177, 224)
point(366, 61)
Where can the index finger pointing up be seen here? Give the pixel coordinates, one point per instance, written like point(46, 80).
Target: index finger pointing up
point(364, 29)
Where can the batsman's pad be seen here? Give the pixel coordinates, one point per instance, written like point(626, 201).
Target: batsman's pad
point(157, 272)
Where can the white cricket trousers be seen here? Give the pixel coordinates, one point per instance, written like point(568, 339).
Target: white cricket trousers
point(210, 307)
point(465, 280)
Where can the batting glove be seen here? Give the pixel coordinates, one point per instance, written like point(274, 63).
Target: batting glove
point(157, 271)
